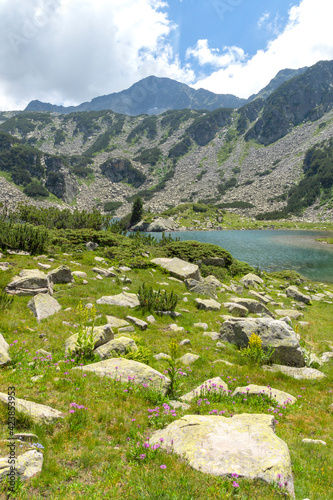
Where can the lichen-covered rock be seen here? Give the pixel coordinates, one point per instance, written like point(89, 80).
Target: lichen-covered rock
point(120, 368)
point(188, 358)
point(282, 398)
point(254, 306)
point(201, 287)
point(244, 444)
point(61, 275)
point(102, 335)
point(274, 333)
point(291, 313)
point(213, 385)
point(236, 309)
point(38, 413)
point(27, 465)
point(137, 322)
point(251, 280)
point(179, 268)
point(119, 345)
point(122, 299)
point(43, 306)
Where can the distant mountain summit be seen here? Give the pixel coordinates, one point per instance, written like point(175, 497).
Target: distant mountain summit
point(153, 96)
point(150, 96)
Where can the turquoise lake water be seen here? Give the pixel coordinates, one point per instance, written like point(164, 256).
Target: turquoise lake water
point(273, 250)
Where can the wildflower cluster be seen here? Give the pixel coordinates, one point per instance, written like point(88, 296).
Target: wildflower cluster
point(77, 416)
point(255, 353)
point(161, 416)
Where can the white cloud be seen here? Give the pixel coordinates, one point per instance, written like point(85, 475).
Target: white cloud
point(306, 39)
point(263, 19)
point(214, 57)
point(68, 51)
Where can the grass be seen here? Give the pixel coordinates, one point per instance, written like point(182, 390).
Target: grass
point(94, 453)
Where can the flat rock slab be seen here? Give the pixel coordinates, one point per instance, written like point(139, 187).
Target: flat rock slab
point(291, 313)
point(39, 413)
point(27, 465)
point(102, 335)
point(208, 305)
point(137, 322)
point(104, 272)
point(119, 345)
point(275, 333)
point(297, 373)
point(282, 398)
point(179, 268)
point(213, 385)
point(314, 441)
point(4, 356)
point(120, 368)
point(116, 322)
point(43, 306)
point(188, 358)
point(123, 299)
point(244, 444)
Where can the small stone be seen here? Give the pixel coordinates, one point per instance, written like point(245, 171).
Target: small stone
point(151, 319)
point(126, 329)
point(137, 322)
point(313, 441)
point(220, 345)
point(175, 328)
point(188, 358)
point(185, 342)
point(204, 326)
point(161, 355)
point(212, 335)
point(208, 305)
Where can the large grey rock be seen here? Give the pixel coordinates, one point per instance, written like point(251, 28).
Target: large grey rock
point(123, 299)
point(4, 355)
point(27, 465)
point(296, 294)
point(282, 398)
point(43, 306)
point(61, 275)
point(254, 306)
point(40, 414)
point(116, 322)
point(291, 313)
point(244, 444)
point(179, 268)
point(236, 309)
point(188, 358)
point(213, 385)
point(297, 373)
point(30, 282)
point(201, 288)
point(102, 335)
point(120, 368)
point(272, 332)
point(208, 305)
point(120, 345)
point(251, 280)
point(158, 225)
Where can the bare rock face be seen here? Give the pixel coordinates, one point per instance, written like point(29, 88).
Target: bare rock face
point(30, 282)
point(245, 444)
point(275, 333)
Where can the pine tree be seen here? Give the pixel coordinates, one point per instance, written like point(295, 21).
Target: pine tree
point(137, 211)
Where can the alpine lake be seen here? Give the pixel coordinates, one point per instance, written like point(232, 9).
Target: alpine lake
point(272, 250)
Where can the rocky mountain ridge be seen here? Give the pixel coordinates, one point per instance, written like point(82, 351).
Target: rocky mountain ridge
point(227, 155)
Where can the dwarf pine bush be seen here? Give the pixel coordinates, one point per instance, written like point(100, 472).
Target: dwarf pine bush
point(156, 300)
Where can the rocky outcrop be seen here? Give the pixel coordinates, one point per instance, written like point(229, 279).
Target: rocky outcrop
point(245, 445)
point(27, 465)
point(274, 333)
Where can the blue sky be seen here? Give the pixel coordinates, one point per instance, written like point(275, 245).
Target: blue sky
point(70, 51)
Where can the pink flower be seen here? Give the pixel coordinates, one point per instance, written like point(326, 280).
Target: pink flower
point(235, 485)
point(163, 467)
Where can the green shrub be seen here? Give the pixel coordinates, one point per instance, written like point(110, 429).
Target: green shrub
point(24, 237)
point(35, 189)
point(6, 301)
point(239, 268)
point(194, 251)
point(219, 272)
point(111, 206)
point(156, 300)
point(291, 276)
point(197, 207)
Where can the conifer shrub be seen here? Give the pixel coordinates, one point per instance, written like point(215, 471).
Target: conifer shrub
point(159, 300)
point(24, 237)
